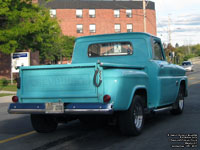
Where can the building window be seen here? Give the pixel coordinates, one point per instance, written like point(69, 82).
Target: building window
point(92, 28)
point(92, 13)
point(129, 27)
point(116, 13)
point(117, 28)
point(79, 28)
point(79, 13)
point(129, 13)
point(53, 12)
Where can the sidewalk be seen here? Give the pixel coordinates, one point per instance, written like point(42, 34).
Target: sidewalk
point(6, 99)
point(8, 92)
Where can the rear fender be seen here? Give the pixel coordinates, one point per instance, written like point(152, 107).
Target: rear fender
point(133, 93)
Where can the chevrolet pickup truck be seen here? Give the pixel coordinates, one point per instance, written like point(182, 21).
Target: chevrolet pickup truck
point(120, 75)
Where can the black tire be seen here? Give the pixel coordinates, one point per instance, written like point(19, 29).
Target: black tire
point(43, 123)
point(131, 121)
point(178, 106)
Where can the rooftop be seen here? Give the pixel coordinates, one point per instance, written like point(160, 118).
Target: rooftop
point(97, 4)
point(114, 36)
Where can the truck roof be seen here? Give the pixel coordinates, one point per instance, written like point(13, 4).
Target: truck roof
point(113, 35)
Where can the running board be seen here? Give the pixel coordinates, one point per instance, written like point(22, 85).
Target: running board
point(162, 109)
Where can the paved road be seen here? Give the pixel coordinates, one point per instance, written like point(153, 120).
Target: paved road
point(16, 131)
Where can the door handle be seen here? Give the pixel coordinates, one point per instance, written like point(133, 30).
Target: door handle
point(176, 83)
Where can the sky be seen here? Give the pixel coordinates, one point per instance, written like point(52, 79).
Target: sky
point(184, 19)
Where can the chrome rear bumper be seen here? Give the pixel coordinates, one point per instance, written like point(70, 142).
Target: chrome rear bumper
point(73, 108)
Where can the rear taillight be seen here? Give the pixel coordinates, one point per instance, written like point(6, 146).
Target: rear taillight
point(15, 99)
point(106, 98)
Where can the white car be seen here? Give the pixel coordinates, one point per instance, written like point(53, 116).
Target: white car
point(187, 65)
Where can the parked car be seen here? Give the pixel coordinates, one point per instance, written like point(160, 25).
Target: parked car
point(187, 65)
point(112, 77)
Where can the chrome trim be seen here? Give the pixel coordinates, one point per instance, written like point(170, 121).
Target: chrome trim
point(88, 111)
point(26, 111)
point(66, 111)
point(162, 109)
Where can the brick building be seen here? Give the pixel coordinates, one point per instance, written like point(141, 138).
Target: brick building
point(89, 17)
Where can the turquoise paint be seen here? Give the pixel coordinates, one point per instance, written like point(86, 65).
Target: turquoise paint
point(119, 84)
point(121, 76)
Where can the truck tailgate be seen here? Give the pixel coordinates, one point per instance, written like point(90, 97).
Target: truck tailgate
point(53, 83)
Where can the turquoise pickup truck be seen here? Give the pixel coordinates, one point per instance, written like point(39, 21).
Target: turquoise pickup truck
point(121, 76)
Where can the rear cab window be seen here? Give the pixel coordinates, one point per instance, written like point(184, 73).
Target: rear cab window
point(110, 49)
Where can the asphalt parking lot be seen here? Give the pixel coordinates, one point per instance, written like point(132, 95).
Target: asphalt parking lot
point(17, 133)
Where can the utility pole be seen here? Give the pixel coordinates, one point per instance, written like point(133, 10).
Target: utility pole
point(144, 12)
point(172, 53)
point(169, 29)
point(188, 46)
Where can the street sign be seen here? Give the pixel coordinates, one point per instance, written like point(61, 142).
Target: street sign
point(19, 59)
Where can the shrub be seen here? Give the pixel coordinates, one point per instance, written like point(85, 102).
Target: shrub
point(5, 82)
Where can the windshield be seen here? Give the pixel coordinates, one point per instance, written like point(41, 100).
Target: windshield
point(186, 63)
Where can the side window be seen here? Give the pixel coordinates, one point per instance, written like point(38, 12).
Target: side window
point(157, 51)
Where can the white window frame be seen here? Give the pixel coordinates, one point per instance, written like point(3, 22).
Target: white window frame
point(79, 13)
point(129, 27)
point(52, 12)
point(117, 28)
point(129, 13)
point(79, 28)
point(92, 13)
point(116, 13)
point(92, 28)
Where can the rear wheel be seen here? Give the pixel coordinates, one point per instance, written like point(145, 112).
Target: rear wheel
point(131, 121)
point(178, 106)
point(43, 123)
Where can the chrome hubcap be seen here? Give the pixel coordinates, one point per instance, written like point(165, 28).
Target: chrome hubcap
point(138, 116)
point(181, 104)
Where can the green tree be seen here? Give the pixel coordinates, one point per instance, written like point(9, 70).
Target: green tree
point(27, 26)
point(186, 52)
point(196, 49)
point(67, 46)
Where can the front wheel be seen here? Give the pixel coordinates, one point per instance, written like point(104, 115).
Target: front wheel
point(43, 123)
point(131, 121)
point(178, 106)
